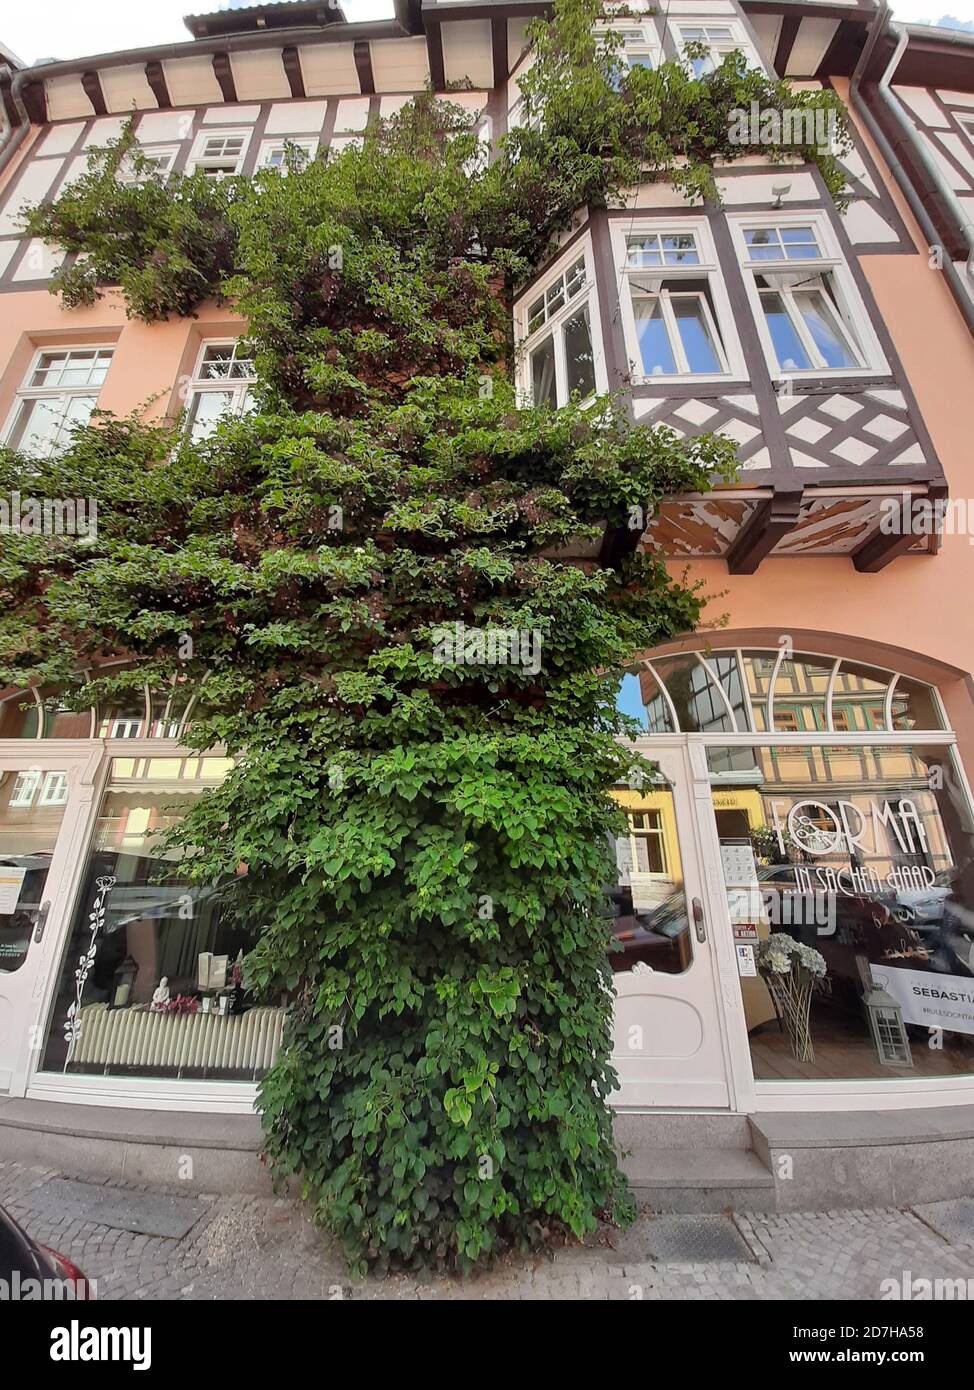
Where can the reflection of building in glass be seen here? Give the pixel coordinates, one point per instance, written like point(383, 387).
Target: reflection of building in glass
point(740, 691)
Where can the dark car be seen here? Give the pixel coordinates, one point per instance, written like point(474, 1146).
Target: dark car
point(31, 1271)
point(660, 938)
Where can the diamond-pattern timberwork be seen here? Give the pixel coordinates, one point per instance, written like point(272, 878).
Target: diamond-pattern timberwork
point(870, 427)
point(737, 416)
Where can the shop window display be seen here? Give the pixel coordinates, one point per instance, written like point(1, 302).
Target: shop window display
point(863, 855)
point(152, 982)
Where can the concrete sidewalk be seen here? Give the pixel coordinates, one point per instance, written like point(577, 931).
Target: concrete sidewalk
point(142, 1243)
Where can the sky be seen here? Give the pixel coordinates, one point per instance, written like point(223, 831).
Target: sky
point(79, 28)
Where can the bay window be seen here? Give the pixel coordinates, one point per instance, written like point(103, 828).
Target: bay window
point(640, 45)
point(810, 316)
point(710, 45)
point(674, 309)
point(556, 329)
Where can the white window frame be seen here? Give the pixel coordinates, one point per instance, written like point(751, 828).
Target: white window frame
point(54, 789)
point(527, 342)
point(658, 833)
point(198, 159)
point(719, 48)
point(26, 392)
point(640, 40)
point(130, 179)
point(721, 322)
point(198, 385)
point(309, 144)
point(24, 789)
point(832, 263)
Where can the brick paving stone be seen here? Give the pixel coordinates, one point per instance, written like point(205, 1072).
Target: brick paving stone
point(246, 1247)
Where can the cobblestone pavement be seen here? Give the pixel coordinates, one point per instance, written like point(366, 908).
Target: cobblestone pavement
point(254, 1247)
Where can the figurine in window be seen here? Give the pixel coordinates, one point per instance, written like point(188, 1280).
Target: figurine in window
point(160, 997)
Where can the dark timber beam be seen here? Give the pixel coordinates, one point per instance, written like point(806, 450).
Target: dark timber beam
point(434, 47)
point(292, 70)
point(156, 79)
point(35, 101)
point(618, 543)
point(772, 519)
point(224, 75)
point(363, 66)
point(876, 553)
point(92, 85)
point(787, 35)
point(498, 49)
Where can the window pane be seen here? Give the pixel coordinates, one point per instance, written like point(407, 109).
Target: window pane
point(800, 243)
point(579, 359)
point(914, 706)
point(800, 693)
point(543, 389)
point(861, 854)
point(78, 368)
point(788, 349)
point(49, 369)
point(205, 411)
point(654, 344)
point(763, 244)
point(18, 716)
point(77, 411)
point(639, 696)
point(29, 826)
point(555, 296)
point(575, 278)
point(860, 697)
point(100, 369)
point(698, 703)
point(680, 249)
point(158, 993)
point(822, 323)
point(650, 922)
point(728, 672)
point(216, 362)
point(37, 425)
point(697, 341)
point(644, 250)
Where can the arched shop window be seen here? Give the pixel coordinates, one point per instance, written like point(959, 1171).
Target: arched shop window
point(143, 713)
point(846, 840)
point(743, 691)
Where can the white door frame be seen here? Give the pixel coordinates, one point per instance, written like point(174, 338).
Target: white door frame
point(892, 1093)
point(126, 1092)
point(26, 989)
point(711, 1079)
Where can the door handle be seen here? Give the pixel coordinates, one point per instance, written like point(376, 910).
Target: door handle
point(41, 922)
point(698, 920)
